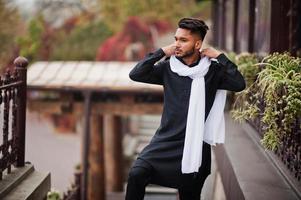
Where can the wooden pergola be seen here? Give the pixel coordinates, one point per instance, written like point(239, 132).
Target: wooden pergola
point(101, 92)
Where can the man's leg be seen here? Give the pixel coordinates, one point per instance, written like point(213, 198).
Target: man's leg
point(138, 178)
point(192, 192)
point(194, 185)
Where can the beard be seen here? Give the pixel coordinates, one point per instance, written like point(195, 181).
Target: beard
point(185, 54)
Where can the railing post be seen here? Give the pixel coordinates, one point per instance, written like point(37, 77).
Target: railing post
point(21, 67)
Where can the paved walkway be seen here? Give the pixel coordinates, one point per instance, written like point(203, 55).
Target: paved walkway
point(49, 151)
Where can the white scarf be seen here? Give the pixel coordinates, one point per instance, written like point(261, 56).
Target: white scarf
point(197, 130)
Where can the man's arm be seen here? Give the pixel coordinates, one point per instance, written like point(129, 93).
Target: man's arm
point(231, 78)
point(147, 71)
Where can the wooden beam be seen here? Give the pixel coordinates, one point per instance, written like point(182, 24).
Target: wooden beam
point(96, 174)
point(114, 108)
point(128, 109)
point(113, 153)
point(46, 107)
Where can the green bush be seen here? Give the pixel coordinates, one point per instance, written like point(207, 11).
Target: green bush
point(273, 94)
point(53, 195)
point(31, 43)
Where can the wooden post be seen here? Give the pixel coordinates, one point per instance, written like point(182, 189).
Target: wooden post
point(235, 26)
point(280, 37)
point(86, 143)
point(96, 177)
point(252, 7)
point(21, 64)
point(113, 153)
point(215, 15)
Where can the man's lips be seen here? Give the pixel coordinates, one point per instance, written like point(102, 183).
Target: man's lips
point(178, 51)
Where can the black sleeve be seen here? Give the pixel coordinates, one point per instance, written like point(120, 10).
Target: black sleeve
point(231, 78)
point(147, 71)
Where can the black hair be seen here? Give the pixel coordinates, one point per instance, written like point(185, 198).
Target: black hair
point(195, 26)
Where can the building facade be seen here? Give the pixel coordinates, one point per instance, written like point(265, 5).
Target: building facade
point(261, 26)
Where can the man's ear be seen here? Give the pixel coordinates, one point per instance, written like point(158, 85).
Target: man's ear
point(198, 44)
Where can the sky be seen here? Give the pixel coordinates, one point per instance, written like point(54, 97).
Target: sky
point(25, 3)
point(26, 7)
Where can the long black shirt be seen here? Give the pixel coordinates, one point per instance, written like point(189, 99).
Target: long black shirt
point(164, 153)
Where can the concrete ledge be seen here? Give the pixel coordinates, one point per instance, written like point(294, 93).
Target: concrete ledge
point(153, 189)
point(121, 196)
point(34, 187)
point(246, 170)
point(280, 166)
point(17, 175)
point(231, 185)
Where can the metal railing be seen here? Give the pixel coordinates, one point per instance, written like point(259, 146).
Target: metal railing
point(13, 116)
point(289, 149)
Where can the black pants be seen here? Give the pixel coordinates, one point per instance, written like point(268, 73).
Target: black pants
point(139, 178)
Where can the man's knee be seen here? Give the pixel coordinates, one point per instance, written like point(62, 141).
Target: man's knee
point(137, 180)
point(139, 175)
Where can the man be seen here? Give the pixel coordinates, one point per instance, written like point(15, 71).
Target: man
point(194, 81)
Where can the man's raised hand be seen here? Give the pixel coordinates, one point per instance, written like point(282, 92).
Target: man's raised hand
point(210, 52)
point(169, 50)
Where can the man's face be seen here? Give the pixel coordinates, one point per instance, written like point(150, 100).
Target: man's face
point(186, 43)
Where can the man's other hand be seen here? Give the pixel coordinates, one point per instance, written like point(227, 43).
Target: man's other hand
point(210, 52)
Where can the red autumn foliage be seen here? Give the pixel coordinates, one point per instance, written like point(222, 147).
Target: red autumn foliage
point(132, 43)
point(70, 23)
point(161, 26)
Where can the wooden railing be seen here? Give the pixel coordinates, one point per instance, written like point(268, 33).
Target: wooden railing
point(13, 116)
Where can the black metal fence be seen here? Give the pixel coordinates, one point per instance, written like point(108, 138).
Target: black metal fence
point(289, 149)
point(13, 116)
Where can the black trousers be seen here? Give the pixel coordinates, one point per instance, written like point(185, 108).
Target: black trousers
point(139, 178)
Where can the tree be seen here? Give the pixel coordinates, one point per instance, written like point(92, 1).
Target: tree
point(79, 43)
point(55, 12)
point(31, 43)
point(116, 12)
point(9, 24)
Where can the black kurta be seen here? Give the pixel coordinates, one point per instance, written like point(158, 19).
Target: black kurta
point(164, 153)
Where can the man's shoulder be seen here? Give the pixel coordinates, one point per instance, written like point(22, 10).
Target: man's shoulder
point(163, 62)
point(214, 63)
point(214, 67)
